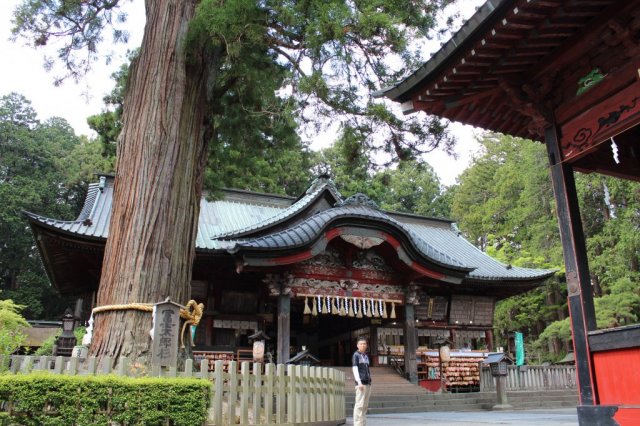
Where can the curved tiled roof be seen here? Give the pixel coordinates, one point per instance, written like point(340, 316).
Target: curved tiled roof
point(453, 251)
point(310, 229)
point(487, 268)
point(223, 223)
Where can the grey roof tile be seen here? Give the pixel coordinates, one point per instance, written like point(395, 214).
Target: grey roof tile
point(223, 222)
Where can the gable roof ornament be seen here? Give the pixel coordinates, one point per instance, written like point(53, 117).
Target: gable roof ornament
point(358, 199)
point(324, 181)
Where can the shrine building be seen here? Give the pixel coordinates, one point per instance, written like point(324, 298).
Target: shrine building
point(313, 273)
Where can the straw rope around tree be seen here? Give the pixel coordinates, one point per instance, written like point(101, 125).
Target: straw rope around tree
point(191, 313)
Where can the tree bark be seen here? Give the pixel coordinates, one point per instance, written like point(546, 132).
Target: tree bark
point(161, 157)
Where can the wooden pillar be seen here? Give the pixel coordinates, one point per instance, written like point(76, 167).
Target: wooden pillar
point(488, 337)
point(580, 299)
point(284, 327)
point(373, 345)
point(410, 344)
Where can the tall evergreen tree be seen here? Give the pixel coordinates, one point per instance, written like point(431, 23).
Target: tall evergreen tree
point(44, 168)
point(335, 52)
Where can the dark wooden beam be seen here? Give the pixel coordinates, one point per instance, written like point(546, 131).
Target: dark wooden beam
point(284, 328)
point(580, 298)
point(410, 344)
point(579, 43)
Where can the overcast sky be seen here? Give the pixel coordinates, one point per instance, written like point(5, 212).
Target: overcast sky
point(22, 72)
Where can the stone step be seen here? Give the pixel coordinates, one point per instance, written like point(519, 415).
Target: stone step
point(390, 404)
point(391, 394)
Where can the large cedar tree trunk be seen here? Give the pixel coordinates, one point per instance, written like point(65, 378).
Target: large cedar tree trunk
point(161, 154)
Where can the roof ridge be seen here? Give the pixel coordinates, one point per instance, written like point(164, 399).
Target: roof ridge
point(316, 188)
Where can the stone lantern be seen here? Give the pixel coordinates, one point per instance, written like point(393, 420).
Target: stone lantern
point(498, 363)
point(67, 340)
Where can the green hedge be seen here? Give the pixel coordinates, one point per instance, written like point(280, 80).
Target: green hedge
point(53, 400)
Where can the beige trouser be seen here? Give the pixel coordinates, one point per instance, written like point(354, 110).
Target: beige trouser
point(361, 405)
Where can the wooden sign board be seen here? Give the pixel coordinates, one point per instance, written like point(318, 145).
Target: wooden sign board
point(166, 328)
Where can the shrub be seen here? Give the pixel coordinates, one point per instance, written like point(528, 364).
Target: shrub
point(52, 400)
point(11, 322)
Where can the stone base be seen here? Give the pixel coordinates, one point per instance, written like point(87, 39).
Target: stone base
point(499, 407)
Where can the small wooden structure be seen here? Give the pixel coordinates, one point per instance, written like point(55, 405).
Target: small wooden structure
point(566, 73)
point(304, 357)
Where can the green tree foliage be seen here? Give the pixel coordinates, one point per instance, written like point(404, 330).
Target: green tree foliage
point(44, 168)
point(324, 58)
point(504, 203)
point(11, 324)
point(411, 187)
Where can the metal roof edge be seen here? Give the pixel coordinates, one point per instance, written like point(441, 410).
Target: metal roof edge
point(418, 216)
point(258, 194)
point(544, 274)
point(42, 221)
point(457, 42)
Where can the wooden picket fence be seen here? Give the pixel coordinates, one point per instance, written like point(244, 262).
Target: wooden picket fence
point(254, 394)
point(532, 377)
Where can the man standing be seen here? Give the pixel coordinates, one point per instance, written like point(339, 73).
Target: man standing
point(361, 373)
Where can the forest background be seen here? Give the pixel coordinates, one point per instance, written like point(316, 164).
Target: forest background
point(503, 202)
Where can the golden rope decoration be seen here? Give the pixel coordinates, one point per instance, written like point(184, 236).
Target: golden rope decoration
point(191, 313)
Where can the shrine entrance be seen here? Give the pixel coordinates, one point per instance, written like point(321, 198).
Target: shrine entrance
point(331, 338)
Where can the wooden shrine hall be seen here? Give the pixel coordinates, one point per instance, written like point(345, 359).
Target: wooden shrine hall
point(566, 73)
point(312, 273)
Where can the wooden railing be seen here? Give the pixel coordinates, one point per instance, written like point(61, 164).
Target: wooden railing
point(254, 394)
point(397, 362)
point(533, 377)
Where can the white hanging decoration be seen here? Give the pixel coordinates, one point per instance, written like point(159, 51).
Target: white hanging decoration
point(614, 149)
point(350, 307)
point(314, 310)
point(374, 309)
point(86, 339)
point(384, 310)
point(380, 310)
point(360, 308)
point(320, 307)
point(307, 309)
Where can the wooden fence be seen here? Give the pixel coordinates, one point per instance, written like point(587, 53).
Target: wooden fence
point(254, 394)
point(532, 377)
